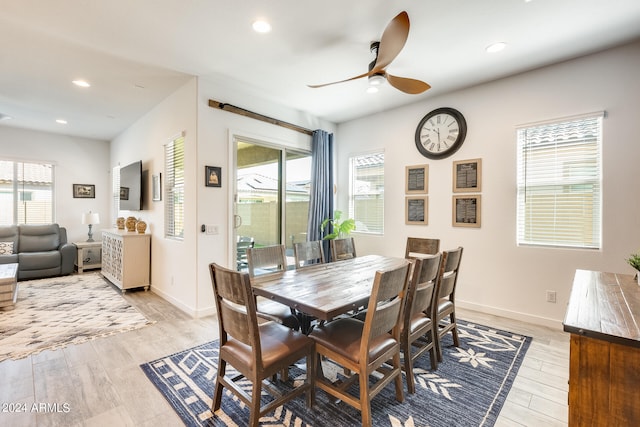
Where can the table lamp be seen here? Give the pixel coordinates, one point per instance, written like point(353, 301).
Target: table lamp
point(90, 219)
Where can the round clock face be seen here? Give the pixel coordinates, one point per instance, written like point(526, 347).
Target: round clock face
point(441, 133)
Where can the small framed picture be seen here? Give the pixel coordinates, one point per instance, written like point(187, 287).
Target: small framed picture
point(156, 187)
point(84, 191)
point(417, 210)
point(212, 176)
point(417, 179)
point(124, 193)
point(467, 176)
point(466, 211)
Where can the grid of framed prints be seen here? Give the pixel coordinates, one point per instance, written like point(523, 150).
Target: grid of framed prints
point(467, 178)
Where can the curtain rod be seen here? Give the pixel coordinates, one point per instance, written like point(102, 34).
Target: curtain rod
point(257, 116)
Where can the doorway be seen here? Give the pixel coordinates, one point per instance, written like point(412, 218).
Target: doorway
point(271, 197)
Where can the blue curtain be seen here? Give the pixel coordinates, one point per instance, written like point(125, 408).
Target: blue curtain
point(321, 203)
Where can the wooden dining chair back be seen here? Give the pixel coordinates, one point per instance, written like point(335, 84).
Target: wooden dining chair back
point(342, 249)
point(242, 244)
point(308, 253)
point(418, 333)
point(266, 259)
point(446, 306)
point(256, 351)
point(363, 348)
point(419, 247)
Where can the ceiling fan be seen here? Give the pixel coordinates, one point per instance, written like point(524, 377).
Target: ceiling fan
point(393, 39)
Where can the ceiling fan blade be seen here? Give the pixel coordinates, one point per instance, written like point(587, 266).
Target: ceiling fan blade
point(411, 86)
point(340, 81)
point(392, 41)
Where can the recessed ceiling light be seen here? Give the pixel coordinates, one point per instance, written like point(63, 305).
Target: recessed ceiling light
point(61, 121)
point(81, 83)
point(261, 26)
point(496, 47)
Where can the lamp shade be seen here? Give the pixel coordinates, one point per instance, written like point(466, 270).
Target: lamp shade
point(90, 218)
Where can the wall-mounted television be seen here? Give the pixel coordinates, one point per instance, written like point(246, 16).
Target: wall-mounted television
point(131, 187)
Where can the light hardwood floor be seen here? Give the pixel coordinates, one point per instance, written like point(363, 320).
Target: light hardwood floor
point(100, 383)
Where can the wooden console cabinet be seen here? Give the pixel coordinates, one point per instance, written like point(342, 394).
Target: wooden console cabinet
point(126, 259)
point(604, 369)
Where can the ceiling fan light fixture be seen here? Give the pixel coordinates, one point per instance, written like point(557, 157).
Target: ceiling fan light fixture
point(376, 80)
point(372, 89)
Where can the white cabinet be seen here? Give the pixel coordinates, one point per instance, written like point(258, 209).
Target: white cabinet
point(126, 258)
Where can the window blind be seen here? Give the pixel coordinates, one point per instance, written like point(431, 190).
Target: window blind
point(560, 183)
point(174, 189)
point(366, 195)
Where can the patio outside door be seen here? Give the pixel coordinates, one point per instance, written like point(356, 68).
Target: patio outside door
point(271, 197)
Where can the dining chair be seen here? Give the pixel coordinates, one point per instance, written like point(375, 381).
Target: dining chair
point(446, 306)
point(265, 260)
point(242, 244)
point(362, 348)
point(418, 327)
point(418, 247)
point(308, 253)
point(342, 249)
point(256, 351)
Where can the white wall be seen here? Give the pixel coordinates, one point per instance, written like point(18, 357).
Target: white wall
point(173, 266)
point(496, 275)
point(77, 161)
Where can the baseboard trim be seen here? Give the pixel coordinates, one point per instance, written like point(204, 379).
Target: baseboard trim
point(195, 313)
point(524, 317)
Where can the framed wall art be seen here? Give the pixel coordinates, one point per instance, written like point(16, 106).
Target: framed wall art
point(212, 176)
point(466, 211)
point(467, 176)
point(417, 179)
point(84, 191)
point(156, 187)
point(417, 210)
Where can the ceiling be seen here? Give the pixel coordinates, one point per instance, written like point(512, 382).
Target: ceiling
point(136, 53)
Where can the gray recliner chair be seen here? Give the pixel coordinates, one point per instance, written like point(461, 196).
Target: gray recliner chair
point(39, 250)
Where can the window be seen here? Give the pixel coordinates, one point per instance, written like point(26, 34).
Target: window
point(174, 188)
point(26, 193)
point(560, 182)
point(366, 195)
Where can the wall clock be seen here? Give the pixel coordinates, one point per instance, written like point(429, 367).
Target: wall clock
point(441, 133)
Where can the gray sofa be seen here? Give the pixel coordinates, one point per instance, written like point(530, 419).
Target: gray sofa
point(39, 250)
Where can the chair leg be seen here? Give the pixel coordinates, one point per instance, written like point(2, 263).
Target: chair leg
point(398, 379)
point(254, 417)
point(217, 393)
point(365, 400)
point(311, 379)
point(433, 354)
point(408, 368)
point(454, 331)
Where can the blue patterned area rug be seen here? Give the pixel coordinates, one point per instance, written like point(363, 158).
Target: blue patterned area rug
point(467, 389)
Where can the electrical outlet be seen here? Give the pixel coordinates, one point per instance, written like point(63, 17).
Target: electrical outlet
point(551, 296)
point(212, 229)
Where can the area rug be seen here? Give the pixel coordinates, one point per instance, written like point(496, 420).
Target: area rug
point(53, 313)
point(467, 389)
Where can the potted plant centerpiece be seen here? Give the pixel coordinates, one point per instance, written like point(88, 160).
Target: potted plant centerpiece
point(341, 228)
point(634, 261)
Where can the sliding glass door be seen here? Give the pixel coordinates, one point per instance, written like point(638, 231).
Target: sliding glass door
point(271, 197)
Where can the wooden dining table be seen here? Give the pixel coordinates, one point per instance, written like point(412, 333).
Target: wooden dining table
point(324, 291)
